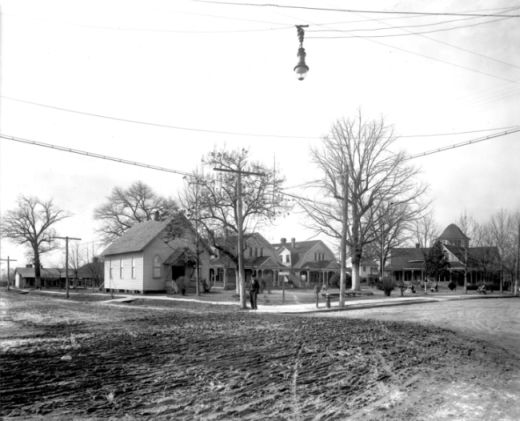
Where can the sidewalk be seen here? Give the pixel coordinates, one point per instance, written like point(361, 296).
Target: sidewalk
point(350, 303)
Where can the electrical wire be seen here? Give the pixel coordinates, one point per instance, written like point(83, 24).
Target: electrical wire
point(327, 9)
point(161, 125)
point(406, 34)
point(92, 154)
point(470, 69)
point(466, 143)
point(225, 132)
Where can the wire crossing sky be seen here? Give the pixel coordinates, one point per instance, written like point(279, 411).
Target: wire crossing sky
point(158, 85)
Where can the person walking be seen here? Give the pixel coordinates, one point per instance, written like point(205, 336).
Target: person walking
point(253, 292)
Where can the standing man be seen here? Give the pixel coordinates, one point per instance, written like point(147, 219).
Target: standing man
point(253, 292)
point(317, 293)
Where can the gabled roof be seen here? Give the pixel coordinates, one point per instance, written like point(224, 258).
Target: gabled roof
point(407, 258)
point(136, 238)
point(453, 232)
point(299, 250)
point(476, 255)
point(48, 273)
point(181, 256)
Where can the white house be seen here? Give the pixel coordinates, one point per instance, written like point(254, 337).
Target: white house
point(146, 257)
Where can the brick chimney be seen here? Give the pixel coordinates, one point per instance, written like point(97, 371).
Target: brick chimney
point(293, 242)
point(417, 245)
point(283, 240)
point(156, 216)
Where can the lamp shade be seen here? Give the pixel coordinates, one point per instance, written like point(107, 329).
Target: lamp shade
point(301, 68)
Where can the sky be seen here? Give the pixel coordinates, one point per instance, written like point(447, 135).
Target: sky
point(221, 75)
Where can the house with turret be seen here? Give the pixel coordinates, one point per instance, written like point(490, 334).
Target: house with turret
point(477, 264)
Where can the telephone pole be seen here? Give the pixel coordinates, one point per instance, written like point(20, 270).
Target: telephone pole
point(67, 260)
point(8, 260)
point(197, 184)
point(239, 219)
point(517, 280)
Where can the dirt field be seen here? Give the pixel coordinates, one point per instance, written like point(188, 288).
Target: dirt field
point(88, 360)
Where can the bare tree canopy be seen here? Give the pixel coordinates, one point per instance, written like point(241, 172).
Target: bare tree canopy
point(425, 230)
point(236, 197)
point(361, 177)
point(31, 223)
point(126, 207)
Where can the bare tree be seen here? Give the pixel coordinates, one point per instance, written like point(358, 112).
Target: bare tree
point(502, 233)
point(126, 207)
point(361, 175)
point(394, 226)
point(425, 229)
point(31, 223)
point(228, 203)
point(476, 232)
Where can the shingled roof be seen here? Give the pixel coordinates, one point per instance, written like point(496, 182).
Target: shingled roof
point(453, 232)
point(136, 238)
point(407, 258)
point(299, 249)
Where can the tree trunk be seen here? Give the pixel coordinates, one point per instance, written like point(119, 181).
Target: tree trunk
point(356, 284)
point(343, 264)
point(37, 271)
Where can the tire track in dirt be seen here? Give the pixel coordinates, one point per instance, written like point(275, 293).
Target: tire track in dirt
point(294, 385)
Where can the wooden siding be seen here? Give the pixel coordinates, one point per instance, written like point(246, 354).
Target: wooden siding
point(124, 282)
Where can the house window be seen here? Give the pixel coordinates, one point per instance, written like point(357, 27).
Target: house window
point(121, 268)
point(110, 274)
point(133, 268)
point(261, 252)
point(286, 258)
point(256, 252)
point(156, 267)
point(250, 252)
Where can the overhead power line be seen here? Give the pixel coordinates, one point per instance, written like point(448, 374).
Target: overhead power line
point(384, 12)
point(92, 154)
point(466, 143)
point(162, 125)
point(193, 129)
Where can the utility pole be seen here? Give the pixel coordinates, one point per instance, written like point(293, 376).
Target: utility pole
point(465, 270)
point(239, 220)
point(197, 183)
point(8, 260)
point(517, 280)
point(343, 243)
point(67, 260)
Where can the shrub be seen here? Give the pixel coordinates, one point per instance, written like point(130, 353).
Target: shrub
point(452, 285)
point(387, 285)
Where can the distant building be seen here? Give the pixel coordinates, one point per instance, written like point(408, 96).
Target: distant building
point(91, 275)
point(260, 260)
point(25, 277)
point(306, 262)
point(481, 264)
point(146, 257)
point(368, 268)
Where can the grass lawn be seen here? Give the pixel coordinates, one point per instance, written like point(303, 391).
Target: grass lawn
point(70, 359)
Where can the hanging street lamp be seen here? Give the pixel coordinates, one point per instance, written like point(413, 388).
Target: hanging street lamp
point(301, 68)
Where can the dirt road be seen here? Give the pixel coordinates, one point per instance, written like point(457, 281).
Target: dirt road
point(496, 321)
point(63, 359)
